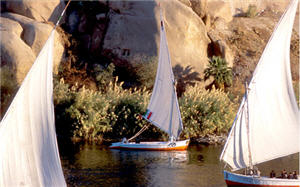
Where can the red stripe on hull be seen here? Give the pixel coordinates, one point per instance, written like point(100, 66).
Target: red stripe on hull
point(231, 183)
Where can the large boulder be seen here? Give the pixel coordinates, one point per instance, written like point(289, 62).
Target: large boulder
point(35, 35)
point(200, 7)
point(11, 26)
point(14, 52)
point(186, 2)
point(219, 45)
point(134, 31)
point(219, 9)
point(37, 10)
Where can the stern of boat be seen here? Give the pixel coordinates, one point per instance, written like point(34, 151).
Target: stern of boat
point(115, 145)
point(234, 180)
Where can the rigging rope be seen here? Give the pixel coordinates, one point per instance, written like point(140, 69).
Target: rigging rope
point(140, 132)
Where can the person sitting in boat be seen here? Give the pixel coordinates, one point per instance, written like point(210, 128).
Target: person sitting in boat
point(124, 140)
point(290, 176)
point(284, 174)
point(137, 140)
point(272, 174)
point(295, 176)
point(256, 171)
point(249, 171)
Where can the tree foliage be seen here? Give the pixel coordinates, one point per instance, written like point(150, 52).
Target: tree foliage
point(8, 87)
point(114, 114)
point(206, 111)
point(219, 70)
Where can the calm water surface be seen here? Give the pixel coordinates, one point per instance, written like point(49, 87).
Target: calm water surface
point(94, 165)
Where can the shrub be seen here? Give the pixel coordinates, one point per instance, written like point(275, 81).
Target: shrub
point(251, 11)
point(145, 70)
point(89, 111)
point(93, 115)
point(137, 72)
point(218, 68)
point(8, 87)
point(206, 112)
point(125, 122)
point(104, 76)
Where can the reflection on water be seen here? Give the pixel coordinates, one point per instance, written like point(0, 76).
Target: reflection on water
point(92, 165)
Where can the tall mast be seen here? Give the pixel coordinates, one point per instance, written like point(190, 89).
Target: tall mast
point(247, 126)
point(165, 116)
point(63, 12)
point(172, 78)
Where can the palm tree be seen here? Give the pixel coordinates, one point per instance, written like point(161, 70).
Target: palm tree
point(219, 69)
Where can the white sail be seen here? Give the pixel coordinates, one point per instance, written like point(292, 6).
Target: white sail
point(163, 109)
point(271, 106)
point(28, 148)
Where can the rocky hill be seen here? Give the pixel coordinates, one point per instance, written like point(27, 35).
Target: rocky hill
point(126, 33)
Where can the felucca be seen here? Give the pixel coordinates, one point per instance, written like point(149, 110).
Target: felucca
point(28, 147)
point(163, 110)
point(267, 123)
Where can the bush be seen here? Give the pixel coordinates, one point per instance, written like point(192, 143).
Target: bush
point(219, 70)
point(145, 70)
point(251, 12)
point(125, 122)
point(206, 112)
point(63, 98)
point(94, 115)
point(104, 76)
point(137, 72)
point(8, 87)
point(90, 112)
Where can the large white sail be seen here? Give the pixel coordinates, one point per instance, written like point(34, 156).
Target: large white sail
point(272, 110)
point(163, 109)
point(28, 147)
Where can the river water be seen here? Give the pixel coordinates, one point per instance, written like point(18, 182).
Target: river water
point(94, 165)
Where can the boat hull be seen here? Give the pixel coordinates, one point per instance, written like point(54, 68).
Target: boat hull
point(233, 179)
point(152, 146)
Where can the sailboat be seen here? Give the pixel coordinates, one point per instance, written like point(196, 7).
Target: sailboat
point(163, 110)
point(267, 124)
point(29, 153)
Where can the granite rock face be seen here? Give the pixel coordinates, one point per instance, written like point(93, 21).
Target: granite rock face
point(22, 40)
point(37, 10)
point(133, 32)
point(220, 9)
point(14, 52)
point(196, 30)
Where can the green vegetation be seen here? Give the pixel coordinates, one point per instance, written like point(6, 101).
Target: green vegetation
point(8, 87)
point(145, 71)
point(113, 114)
point(104, 76)
point(219, 70)
point(206, 112)
point(94, 115)
point(251, 11)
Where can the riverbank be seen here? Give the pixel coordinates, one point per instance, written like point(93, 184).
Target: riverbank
point(100, 116)
point(203, 140)
point(211, 140)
